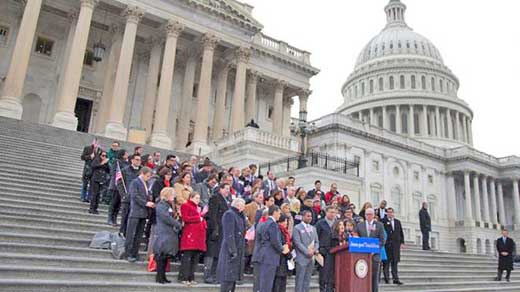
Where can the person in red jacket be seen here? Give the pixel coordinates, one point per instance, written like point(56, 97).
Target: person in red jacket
point(193, 239)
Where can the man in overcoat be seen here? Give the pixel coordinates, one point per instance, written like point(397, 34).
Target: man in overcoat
point(394, 241)
point(324, 230)
point(426, 226)
point(506, 249)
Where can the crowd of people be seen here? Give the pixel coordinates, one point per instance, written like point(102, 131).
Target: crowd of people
point(234, 220)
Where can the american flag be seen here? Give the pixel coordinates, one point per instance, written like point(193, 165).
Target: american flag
point(119, 174)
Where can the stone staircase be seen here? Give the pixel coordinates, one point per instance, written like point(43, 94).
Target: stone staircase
point(45, 230)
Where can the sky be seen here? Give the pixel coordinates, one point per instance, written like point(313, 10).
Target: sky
point(479, 41)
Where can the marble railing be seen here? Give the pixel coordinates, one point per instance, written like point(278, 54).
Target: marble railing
point(261, 137)
point(282, 48)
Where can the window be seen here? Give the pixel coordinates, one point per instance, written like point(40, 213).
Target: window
point(404, 123)
point(381, 84)
point(89, 58)
point(375, 193)
point(413, 82)
point(416, 175)
point(270, 110)
point(371, 86)
point(393, 124)
point(355, 91)
point(362, 88)
point(433, 83)
point(396, 199)
point(391, 82)
point(423, 82)
point(401, 81)
point(375, 165)
point(4, 34)
point(396, 171)
point(195, 90)
point(432, 206)
point(441, 87)
point(416, 124)
point(430, 179)
point(44, 46)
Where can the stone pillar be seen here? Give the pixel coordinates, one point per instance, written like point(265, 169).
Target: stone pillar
point(65, 117)
point(468, 215)
point(109, 78)
point(450, 123)
point(457, 126)
point(438, 122)
point(464, 130)
point(501, 207)
point(476, 190)
point(200, 135)
point(220, 105)
point(159, 136)
point(516, 203)
point(183, 130)
point(398, 125)
point(278, 107)
point(286, 122)
point(485, 199)
point(493, 198)
point(372, 117)
point(452, 202)
point(11, 100)
point(411, 121)
point(251, 96)
point(115, 128)
point(425, 120)
point(470, 131)
point(385, 122)
point(237, 107)
point(152, 78)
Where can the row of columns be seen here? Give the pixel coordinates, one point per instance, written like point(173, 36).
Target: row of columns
point(157, 100)
point(458, 125)
point(492, 199)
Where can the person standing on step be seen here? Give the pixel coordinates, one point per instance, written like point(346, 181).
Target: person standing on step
point(324, 230)
point(381, 211)
point(139, 205)
point(426, 226)
point(115, 203)
point(394, 242)
point(100, 172)
point(162, 181)
point(306, 243)
point(506, 248)
point(130, 173)
point(89, 153)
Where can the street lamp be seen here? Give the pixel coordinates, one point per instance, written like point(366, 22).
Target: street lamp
point(302, 129)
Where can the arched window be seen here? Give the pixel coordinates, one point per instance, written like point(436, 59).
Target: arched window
point(396, 197)
point(423, 82)
point(381, 84)
point(401, 82)
point(376, 192)
point(433, 83)
point(355, 91)
point(441, 85)
point(362, 88)
point(432, 206)
point(391, 82)
point(413, 82)
point(393, 127)
point(371, 85)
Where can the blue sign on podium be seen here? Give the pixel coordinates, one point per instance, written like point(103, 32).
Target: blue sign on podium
point(363, 245)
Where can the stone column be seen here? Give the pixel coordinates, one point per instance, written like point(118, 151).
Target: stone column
point(464, 130)
point(452, 202)
point(109, 78)
point(220, 105)
point(372, 117)
point(450, 123)
point(470, 131)
point(476, 190)
point(398, 125)
point(237, 107)
point(278, 107)
point(115, 128)
point(468, 215)
point(457, 126)
point(438, 121)
point(286, 116)
point(159, 136)
point(501, 207)
point(11, 100)
point(251, 96)
point(385, 122)
point(493, 199)
point(200, 135)
point(152, 78)
point(425, 120)
point(411, 121)
point(65, 117)
point(187, 97)
point(516, 203)
point(485, 199)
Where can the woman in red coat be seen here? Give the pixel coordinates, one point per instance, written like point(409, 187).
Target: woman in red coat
point(193, 239)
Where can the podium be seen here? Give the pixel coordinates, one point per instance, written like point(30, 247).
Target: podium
point(353, 270)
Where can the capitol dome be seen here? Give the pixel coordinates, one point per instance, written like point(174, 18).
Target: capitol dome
point(401, 84)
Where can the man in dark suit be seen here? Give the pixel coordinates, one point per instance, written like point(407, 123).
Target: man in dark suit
point(267, 255)
point(269, 185)
point(381, 211)
point(372, 228)
point(130, 173)
point(394, 241)
point(506, 248)
point(88, 155)
point(316, 191)
point(139, 205)
point(426, 226)
point(218, 205)
point(324, 230)
point(306, 244)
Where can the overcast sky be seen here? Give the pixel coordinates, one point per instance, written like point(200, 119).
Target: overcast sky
point(479, 41)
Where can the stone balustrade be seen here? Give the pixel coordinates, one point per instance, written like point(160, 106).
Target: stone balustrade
point(260, 137)
point(282, 48)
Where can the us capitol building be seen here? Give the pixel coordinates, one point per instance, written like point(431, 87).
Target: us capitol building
point(188, 75)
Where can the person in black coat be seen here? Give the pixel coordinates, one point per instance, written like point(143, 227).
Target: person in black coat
point(231, 255)
point(218, 205)
point(426, 226)
point(115, 203)
point(139, 205)
point(394, 241)
point(506, 249)
point(162, 181)
point(324, 230)
point(130, 173)
point(100, 171)
point(280, 281)
point(89, 153)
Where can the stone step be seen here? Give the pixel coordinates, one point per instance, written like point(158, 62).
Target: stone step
point(12, 176)
point(54, 199)
point(55, 224)
point(57, 213)
point(65, 165)
point(20, 228)
point(57, 251)
point(43, 206)
point(475, 284)
point(51, 185)
point(43, 239)
point(28, 171)
point(94, 221)
point(14, 185)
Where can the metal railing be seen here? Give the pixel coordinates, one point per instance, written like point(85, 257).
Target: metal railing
point(319, 160)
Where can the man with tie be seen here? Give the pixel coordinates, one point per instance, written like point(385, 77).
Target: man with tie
point(269, 185)
point(306, 245)
point(381, 211)
point(506, 248)
point(372, 228)
point(426, 226)
point(324, 230)
point(394, 241)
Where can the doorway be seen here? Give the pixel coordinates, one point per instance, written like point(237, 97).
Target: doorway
point(83, 112)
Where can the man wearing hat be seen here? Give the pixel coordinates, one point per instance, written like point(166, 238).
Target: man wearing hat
point(506, 248)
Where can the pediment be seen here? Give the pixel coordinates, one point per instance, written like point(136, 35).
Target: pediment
point(231, 10)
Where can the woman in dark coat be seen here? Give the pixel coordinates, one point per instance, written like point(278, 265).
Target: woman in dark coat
point(280, 281)
point(100, 171)
point(166, 237)
point(193, 238)
point(229, 269)
point(161, 182)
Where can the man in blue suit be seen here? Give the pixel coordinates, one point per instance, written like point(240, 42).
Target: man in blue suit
point(267, 255)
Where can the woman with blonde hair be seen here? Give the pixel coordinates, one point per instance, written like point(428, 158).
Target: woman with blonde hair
point(166, 237)
point(286, 210)
point(183, 188)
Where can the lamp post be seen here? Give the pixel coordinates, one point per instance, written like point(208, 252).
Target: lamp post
point(302, 129)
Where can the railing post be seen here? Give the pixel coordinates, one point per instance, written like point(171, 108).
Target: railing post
point(326, 160)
